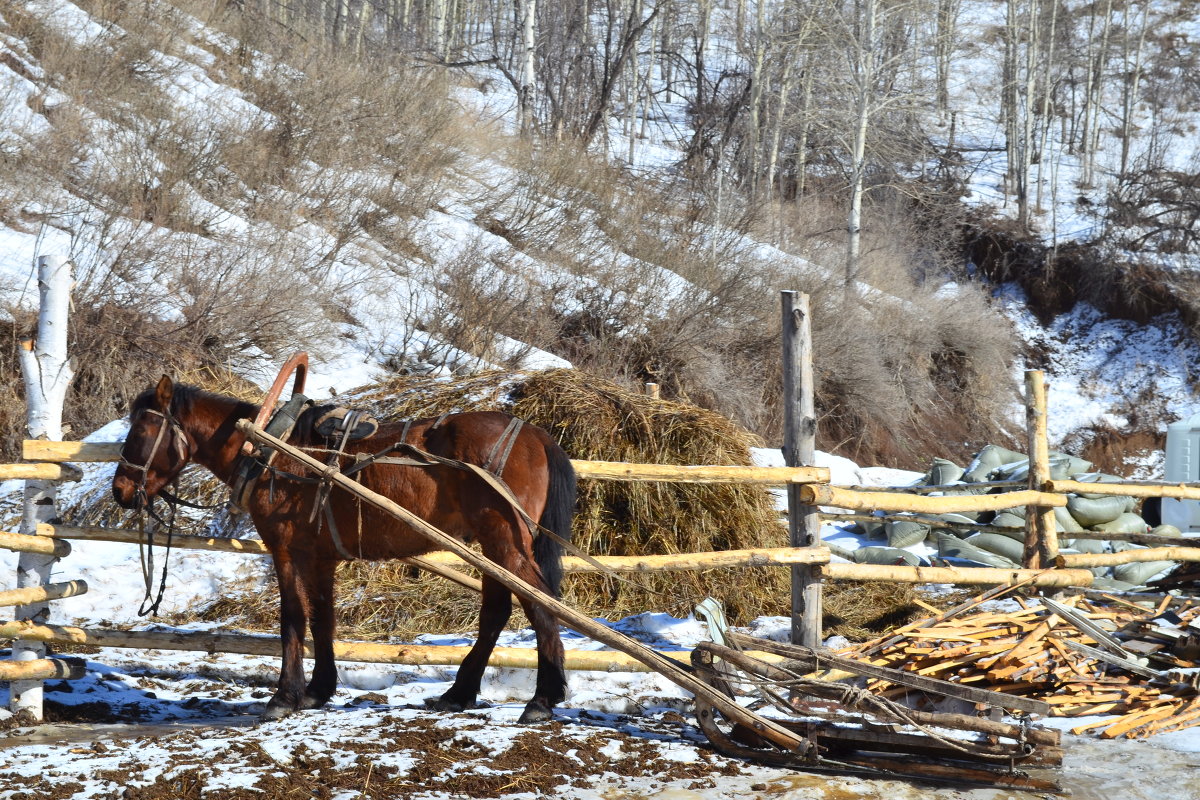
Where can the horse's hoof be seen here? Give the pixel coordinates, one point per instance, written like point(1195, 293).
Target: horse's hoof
point(538, 710)
point(444, 703)
point(275, 711)
point(308, 702)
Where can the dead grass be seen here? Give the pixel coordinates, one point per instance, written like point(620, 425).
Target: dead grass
point(861, 611)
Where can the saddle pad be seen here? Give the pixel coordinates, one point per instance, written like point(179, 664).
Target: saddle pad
point(330, 423)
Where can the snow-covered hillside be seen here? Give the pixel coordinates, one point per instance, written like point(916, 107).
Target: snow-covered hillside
point(418, 259)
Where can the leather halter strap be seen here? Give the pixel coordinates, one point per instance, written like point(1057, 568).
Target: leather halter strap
point(178, 439)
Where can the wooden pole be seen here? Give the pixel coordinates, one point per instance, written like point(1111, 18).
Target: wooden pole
point(962, 576)
point(1179, 491)
point(1128, 557)
point(799, 448)
point(29, 595)
point(22, 543)
point(724, 559)
point(567, 615)
point(1041, 530)
point(36, 472)
point(47, 373)
point(597, 470)
point(716, 473)
point(720, 559)
point(817, 494)
point(365, 652)
point(43, 669)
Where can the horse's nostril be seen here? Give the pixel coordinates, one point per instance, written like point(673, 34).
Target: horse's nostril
point(125, 493)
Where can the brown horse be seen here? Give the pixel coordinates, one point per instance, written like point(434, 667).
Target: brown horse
point(172, 425)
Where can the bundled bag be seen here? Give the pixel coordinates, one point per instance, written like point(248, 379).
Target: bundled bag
point(902, 533)
point(988, 460)
point(1092, 511)
point(950, 546)
point(999, 544)
point(886, 555)
point(943, 472)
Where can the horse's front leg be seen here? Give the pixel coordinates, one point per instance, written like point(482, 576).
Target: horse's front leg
point(293, 620)
point(318, 584)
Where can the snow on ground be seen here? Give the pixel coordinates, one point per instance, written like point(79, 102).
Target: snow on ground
point(159, 722)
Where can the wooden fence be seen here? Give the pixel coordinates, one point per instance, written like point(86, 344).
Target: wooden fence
point(1044, 566)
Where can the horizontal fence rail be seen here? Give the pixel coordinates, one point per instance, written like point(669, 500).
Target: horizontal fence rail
point(38, 472)
point(1179, 491)
point(43, 669)
point(40, 594)
point(95, 452)
point(368, 652)
point(723, 559)
point(23, 543)
point(823, 495)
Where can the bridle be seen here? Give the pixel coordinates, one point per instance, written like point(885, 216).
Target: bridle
point(178, 439)
point(146, 503)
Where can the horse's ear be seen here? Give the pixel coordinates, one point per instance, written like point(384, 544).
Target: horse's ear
point(163, 393)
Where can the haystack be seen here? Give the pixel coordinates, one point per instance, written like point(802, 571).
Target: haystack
point(595, 419)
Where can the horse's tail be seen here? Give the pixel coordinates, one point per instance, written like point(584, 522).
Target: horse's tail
point(557, 515)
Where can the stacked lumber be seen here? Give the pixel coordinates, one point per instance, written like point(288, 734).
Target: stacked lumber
point(1083, 657)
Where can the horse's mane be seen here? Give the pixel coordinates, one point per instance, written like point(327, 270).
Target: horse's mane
point(183, 400)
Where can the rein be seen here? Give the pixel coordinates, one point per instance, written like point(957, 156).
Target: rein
point(148, 606)
point(146, 555)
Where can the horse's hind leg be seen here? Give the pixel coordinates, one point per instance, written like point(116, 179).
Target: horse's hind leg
point(495, 609)
point(551, 676)
point(318, 585)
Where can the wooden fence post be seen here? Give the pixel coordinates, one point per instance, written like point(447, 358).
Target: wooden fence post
point(47, 373)
point(799, 447)
point(1041, 527)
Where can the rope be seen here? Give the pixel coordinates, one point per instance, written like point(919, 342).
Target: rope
point(863, 700)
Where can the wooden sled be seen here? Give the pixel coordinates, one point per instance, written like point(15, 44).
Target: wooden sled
point(848, 730)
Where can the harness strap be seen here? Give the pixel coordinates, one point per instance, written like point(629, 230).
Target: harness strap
point(416, 457)
point(507, 439)
point(348, 424)
point(337, 539)
point(146, 557)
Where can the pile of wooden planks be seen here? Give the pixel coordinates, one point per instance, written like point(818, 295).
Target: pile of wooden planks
point(1083, 656)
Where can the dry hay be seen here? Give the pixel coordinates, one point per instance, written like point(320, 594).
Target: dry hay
point(861, 610)
point(595, 420)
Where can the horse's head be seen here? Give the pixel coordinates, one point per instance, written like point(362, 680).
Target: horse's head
point(156, 449)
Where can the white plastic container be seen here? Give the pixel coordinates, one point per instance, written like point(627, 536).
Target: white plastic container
point(1183, 466)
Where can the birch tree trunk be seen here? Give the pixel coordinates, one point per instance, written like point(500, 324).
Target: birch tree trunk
point(947, 22)
point(1027, 115)
point(806, 117)
point(1133, 78)
point(785, 88)
point(864, 78)
point(439, 28)
point(47, 373)
point(1049, 89)
point(1009, 95)
point(528, 44)
point(756, 98)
